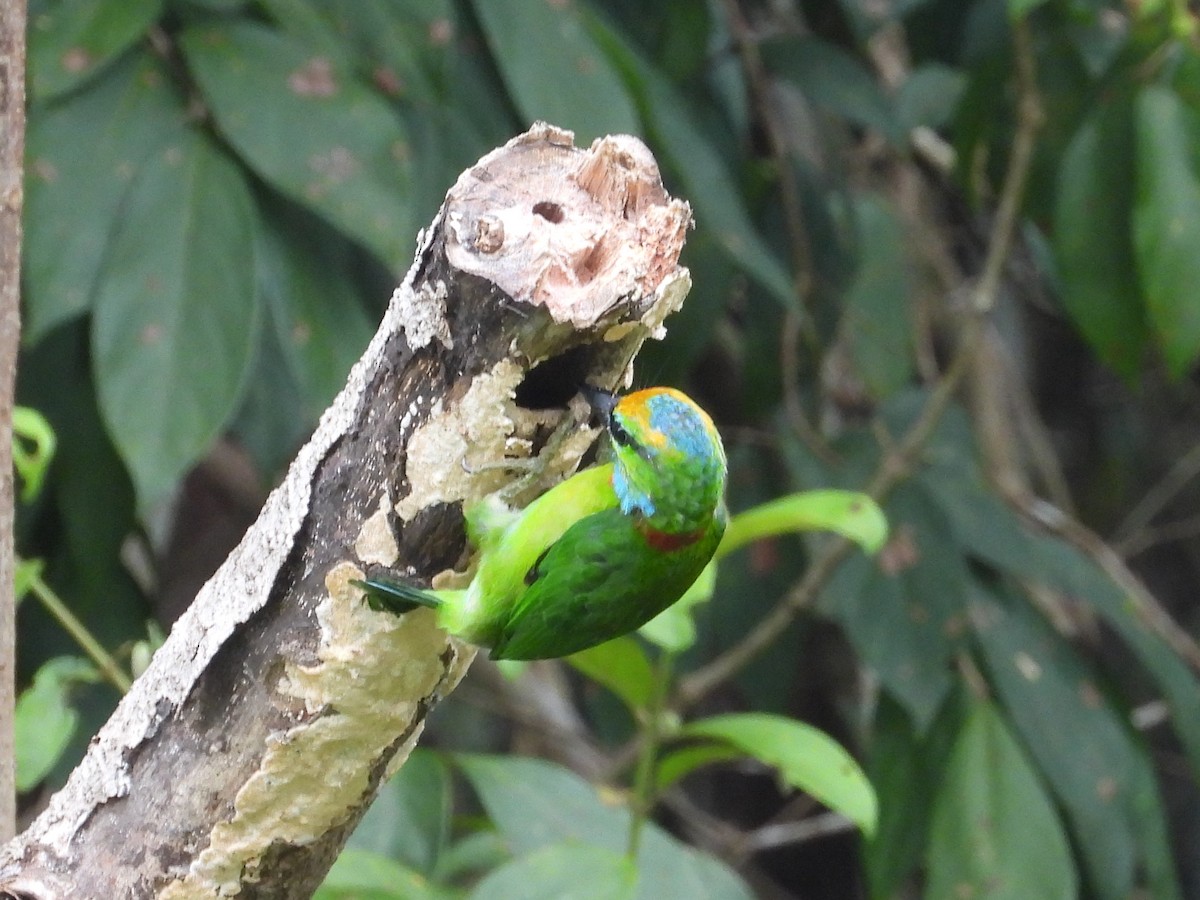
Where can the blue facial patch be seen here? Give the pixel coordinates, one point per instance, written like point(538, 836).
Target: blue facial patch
point(631, 499)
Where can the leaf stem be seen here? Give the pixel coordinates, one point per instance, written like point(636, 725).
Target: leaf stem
point(76, 629)
point(651, 738)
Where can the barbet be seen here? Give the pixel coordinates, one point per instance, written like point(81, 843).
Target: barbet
point(598, 555)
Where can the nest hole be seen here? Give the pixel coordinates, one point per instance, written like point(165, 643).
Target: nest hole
point(549, 211)
point(553, 382)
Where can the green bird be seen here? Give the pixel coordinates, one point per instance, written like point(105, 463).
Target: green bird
point(599, 554)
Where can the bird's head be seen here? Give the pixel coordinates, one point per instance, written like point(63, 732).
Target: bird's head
point(669, 462)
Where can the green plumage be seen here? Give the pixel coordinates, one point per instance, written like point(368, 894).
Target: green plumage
point(598, 555)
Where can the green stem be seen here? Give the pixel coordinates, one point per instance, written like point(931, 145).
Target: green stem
point(104, 662)
point(643, 779)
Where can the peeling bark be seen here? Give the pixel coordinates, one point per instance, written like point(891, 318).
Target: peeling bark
point(247, 752)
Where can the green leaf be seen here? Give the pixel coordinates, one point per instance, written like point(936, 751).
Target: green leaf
point(1077, 576)
point(478, 851)
point(143, 650)
point(309, 129)
point(876, 322)
point(995, 833)
point(270, 422)
point(44, 721)
point(1019, 9)
point(362, 875)
point(1101, 780)
point(702, 172)
point(1166, 223)
point(74, 39)
point(622, 667)
point(1093, 240)
point(807, 759)
point(900, 609)
point(833, 79)
point(682, 761)
point(928, 97)
point(410, 818)
point(307, 277)
point(990, 531)
point(906, 769)
point(26, 573)
point(853, 515)
point(568, 81)
point(75, 188)
point(567, 871)
point(536, 804)
point(176, 308)
point(32, 450)
point(674, 629)
point(92, 496)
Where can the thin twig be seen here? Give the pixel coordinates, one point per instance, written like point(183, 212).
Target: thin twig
point(893, 469)
point(644, 775)
point(798, 323)
point(1156, 499)
point(108, 666)
point(781, 834)
point(896, 466)
point(1152, 535)
point(1144, 605)
point(789, 362)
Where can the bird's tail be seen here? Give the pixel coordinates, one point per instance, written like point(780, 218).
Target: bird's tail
point(396, 597)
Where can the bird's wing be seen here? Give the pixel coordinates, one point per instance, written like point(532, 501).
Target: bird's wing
point(598, 581)
point(506, 559)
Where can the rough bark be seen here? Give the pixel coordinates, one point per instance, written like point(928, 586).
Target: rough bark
point(12, 151)
point(242, 759)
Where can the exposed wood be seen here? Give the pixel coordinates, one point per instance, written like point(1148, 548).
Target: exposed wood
point(12, 152)
point(245, 755)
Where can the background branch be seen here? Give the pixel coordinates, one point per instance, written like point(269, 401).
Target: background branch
point(897, 464)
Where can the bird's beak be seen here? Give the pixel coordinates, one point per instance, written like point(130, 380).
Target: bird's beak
point(600, 400)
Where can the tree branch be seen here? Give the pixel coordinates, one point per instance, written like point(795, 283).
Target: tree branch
point(246, 754)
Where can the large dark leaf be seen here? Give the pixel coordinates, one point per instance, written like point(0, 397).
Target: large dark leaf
point(567, 871)
point(176, 315)
point(70, 41)
point(995, 833)
point(902, 609)
point(536, 805)
point(877, 301)
point(1103, 781)
point(553, 68)
point(310, 129)
point(906, 769)
point(308, 280)
point(833, 79)
point(1093, 240)
point(75, 186)
point(992, 532)
point(410, 819)
point(1166, 221)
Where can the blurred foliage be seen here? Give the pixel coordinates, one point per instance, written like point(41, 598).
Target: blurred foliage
point(221, 194)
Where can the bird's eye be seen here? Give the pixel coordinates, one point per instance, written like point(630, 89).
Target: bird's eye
point(618, 432)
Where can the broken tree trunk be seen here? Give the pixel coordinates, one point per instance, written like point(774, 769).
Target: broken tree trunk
point(247, 752)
